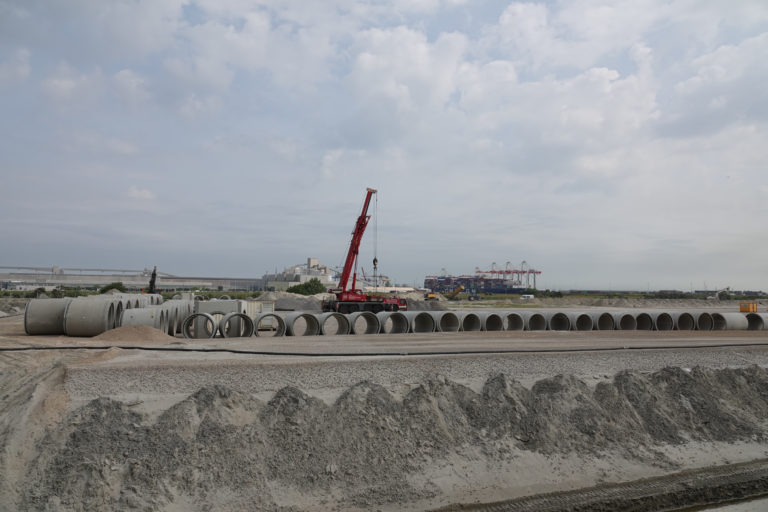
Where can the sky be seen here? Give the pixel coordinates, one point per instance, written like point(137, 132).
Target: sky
point(609, 144)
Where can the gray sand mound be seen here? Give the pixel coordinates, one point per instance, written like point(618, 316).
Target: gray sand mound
point(134, 333)
point(225, 450)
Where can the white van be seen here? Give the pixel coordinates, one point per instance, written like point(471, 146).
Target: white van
point(526, 297)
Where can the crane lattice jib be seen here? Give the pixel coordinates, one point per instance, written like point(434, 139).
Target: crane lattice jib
point(354, 245)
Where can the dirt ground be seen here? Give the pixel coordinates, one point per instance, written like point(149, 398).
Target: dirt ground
point(388, 441)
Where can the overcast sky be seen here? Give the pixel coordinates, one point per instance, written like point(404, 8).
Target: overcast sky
point(610, 144)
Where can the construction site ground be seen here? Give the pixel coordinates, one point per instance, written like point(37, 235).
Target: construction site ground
point(138, 420)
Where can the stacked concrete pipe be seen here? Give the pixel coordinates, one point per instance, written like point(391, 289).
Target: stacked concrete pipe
point(684, 321)
point(236, 325)
point(152, 317)
point(84, 317)
point(490, 321)
point(45, 316)
point(757, 321)
point(392, 322)
point(469, 321)
point(301, 324)
point(557, 321)
point(624, 321)
point(276, 323)
point(420, 321)
point(729, 321)
point(704, 321)
point(644, 321)
point(445, 321)
point(333, 323)
point(200, 323)
point(603, 321)
point(363, 322)
point(514, 322)
point(662, 321)
point(580, 321)
point(534, 321)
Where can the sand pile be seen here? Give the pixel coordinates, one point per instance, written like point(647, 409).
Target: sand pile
point(224, 450)
point(285, 301)
point(135, 333)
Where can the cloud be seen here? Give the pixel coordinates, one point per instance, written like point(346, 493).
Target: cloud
point(66, 85)
point(15, 68)
point(142, 194)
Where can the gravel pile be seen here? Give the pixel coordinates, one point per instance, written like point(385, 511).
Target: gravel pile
point(225, 450)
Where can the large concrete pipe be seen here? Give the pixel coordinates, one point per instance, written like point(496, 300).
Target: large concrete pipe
point(420, 321)
point(757, 321)
point(199, 326)
point(469, 321)
point(683, 320)
point(534, 321)
point(557, 321)
point(268, 324)
point(301, 324)
point(392, 322)
point(644, 322)
point(729, 321)
point(236, 325)
point(445, 321)
point(363, 322)
point(580, 321)
point(662, 321)
point(333, 323)
point(704, 321)
point(490, 321)
point(45, 316)
point(89, 317)
point(624, 321)
point(603, 321)
point(515, 322)
point(153, 317)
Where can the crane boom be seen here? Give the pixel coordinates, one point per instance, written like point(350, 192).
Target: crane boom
point(354, 244)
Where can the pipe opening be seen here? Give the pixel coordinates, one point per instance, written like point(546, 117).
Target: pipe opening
point(515, 322)
point(664, 322)
point(559, 322)
point(644, 322)
point(393, 323)
point(685, 322)
point(268, 325)
point(448, 322)
point(704, 322)
point(470, 322)
point(536, 322)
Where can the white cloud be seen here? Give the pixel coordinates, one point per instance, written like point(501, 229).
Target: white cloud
point(141, 194)
point(15, 68)
point(130, 87)
point(66, 84)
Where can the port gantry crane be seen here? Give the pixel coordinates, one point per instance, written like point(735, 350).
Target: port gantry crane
point(350, 300)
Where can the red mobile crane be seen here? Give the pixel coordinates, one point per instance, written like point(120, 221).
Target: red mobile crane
point(352, 299)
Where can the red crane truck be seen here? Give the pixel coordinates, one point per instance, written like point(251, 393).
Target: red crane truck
point(349, 300)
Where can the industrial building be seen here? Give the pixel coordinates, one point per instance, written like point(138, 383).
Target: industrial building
point(495, 280)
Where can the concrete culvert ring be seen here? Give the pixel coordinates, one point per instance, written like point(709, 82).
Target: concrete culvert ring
point(515, 322)
point(491, 322)
point(236, 325)
point(644, 322)
point(198, 326)
point(301, 324)
point(446, 321)
point(603, 321)
point(392, 322)
point(363, 322)
point(332, 324)
point(684, 321)
point(704, 322)
point(625, 321)
point(88, 318)
point(142, 316)
point(470, 322)
point(535, 322)
point(663, 322)
point(420, 321)
point(581, 322)
point(45, 316)
point(729, 321)
point(268, 325)
point(757, 321)
point(558, 322)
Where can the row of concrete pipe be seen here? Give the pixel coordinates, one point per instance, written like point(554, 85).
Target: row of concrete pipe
point(90, 316)
point(312, 324)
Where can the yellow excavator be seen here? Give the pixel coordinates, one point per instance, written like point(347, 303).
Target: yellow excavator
point(454, 294)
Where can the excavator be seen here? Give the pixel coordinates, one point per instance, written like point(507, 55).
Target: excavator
point(350, 300)
point(454, 294)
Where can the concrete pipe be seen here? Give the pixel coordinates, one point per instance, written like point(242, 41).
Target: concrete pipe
point(301, 324)
point(557, 321)
point(469, 321)
point(363, 322)
point(757, 321)
point(153, 317)
point(45, 316)
point(268, 324)
point(684, 321)
point(624, 321)
point(392, 322)
point(236, 325)
point(445, 321)
point(420, 321)
point(603, 321)
point(704, 321)
point(89, 317)
point(535, 322)
point(662, 321)
point(729, 322)
point(580, 321)
point(199, 326)
point(515, 322)
point(644, 322)
point(490, 321)
point(332, 324)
